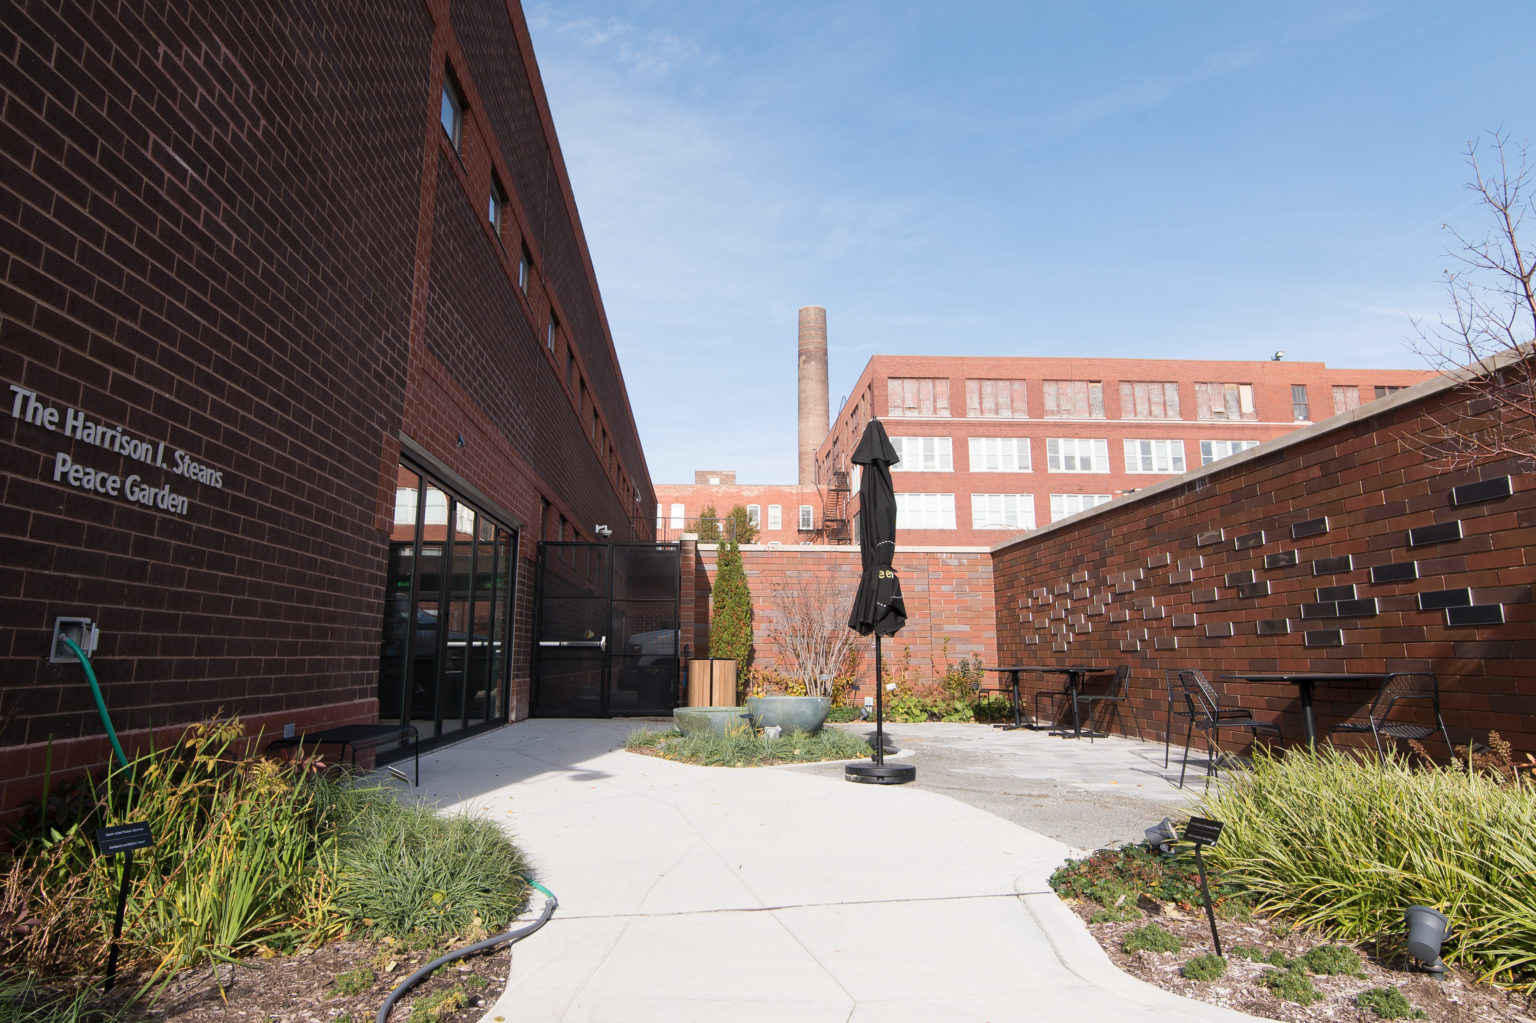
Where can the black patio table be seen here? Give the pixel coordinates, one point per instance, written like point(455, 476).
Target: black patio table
point(1304, 681)
point(1075, 673)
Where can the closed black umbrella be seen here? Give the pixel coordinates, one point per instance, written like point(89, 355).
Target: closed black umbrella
point(877, 606)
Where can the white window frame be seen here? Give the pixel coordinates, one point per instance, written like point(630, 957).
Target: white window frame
point(1000, 454)
point(1160, 456)
point(775, 516)
point(1216, 450)
point(1059, 459)
point(1061, 504)
point(807, 518)
point(755, 515)
point(1002, 511)
point(679, 517)
point(925, 511)
point(924, 454)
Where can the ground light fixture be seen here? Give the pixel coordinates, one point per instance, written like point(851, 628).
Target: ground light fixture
point(1427, 929)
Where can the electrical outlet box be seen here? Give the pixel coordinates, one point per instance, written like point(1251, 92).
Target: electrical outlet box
point(288, 730)
point(81, 630)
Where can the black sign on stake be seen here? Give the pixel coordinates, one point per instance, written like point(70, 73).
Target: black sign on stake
point(1203, 831)
point(121, 838)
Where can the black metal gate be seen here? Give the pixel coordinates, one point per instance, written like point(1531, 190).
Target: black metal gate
point(606, 629)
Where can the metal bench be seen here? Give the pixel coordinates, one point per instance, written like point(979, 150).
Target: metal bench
point(357, 736)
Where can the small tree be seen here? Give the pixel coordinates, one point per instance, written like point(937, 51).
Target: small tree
point(730, 625)
point(810, 629)
point(1492, 331)
point(740, 527)
point(709, 525)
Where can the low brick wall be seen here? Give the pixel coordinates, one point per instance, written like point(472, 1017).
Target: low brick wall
point(1342, 547)
point(948, 594)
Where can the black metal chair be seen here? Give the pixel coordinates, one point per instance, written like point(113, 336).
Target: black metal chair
point(1175, 700)
point(1395, 688)
point(1206, 713)
point(1116, 690)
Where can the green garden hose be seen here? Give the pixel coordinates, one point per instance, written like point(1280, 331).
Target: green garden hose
point(101, 704)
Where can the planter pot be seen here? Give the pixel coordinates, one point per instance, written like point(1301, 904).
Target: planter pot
point(720, 720)
point(791, 713)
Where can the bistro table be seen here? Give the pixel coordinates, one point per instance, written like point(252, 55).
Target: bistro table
point(1075, 673)
point(1304, 681)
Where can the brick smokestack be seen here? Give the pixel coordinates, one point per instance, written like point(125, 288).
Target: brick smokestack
point(813, 388)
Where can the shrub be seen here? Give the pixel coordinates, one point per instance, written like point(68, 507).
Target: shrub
point(1331, 960)
point(744, 748)
point(1207, 967)
point(1151, 938)
point(1341, 842)
point(1387, 1003)
point(1164, 878)
point(730, 625)
point(403, 870)
point(843, 714)
point(1291, 985)
point(1273, 957)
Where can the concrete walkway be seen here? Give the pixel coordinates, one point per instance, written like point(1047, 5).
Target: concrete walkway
point(707, 894)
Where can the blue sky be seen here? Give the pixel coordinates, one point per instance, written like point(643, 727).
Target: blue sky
point(1184, 180)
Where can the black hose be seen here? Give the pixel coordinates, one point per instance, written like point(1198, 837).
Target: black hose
point(514, 935)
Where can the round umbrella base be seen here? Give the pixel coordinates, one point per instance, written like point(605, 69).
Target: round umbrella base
point(880, 774)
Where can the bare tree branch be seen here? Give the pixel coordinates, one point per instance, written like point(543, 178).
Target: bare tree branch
point(810, 629)
point(1490, 338)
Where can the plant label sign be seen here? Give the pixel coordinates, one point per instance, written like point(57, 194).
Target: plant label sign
point(1202, 831)
point(121, 838)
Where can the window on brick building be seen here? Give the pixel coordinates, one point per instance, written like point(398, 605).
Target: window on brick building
point(755, 515)
point(1076, 454)
point(1073, 399)
point(1345, 398)
point(1224, 401)
point(775, 516)
point(497, 205)
point(917, 396)
point(1141, 399)
point(551, 333)
point(996, 399)
point(1063, 505)
point(1163, 456)
point(451, 112)
point(1215, 450)
point(1300, 409)
point(925, 511)
point(807, 518)
point(677, 516)
point(1382, 390)
point(999, 454)
point(524, 269)
point(1002, 511)
point(923, 454)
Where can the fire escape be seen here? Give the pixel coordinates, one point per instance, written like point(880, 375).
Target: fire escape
point(834, 515)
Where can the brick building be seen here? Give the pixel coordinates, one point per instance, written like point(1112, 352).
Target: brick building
point(782, 513)
point(992, 447)
point(303, 353)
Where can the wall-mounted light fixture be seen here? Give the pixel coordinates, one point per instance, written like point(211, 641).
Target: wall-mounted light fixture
point(602, 531)
point(1277, 356)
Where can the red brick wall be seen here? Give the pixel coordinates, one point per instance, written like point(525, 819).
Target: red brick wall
point(1153, 579)
point(695, 497)
point(948, 594)
point(240, 229)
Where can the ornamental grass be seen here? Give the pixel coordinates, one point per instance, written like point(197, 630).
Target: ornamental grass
point(1345, 843)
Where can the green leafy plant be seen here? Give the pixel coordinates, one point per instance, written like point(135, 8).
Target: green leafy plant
point(1147, 873)
point(1151, 938)
point(1331, 960)
point(709, 525)
point(1387, 1003)
point(1207, 967)
point(842, 714)
point(435, 1007)
point(1254, 954)
point(353, 982)
point(744, 748)
point(1335, 841)
point(1291, 985)
point(730, 626)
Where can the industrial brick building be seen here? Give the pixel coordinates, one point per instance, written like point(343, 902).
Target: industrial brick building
point(303, 355)
point(993, 447)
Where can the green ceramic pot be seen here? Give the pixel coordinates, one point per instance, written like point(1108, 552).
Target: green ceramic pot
point(720, 720)
point(791, 713)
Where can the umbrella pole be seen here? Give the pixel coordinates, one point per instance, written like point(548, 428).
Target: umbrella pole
point(879, 706)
